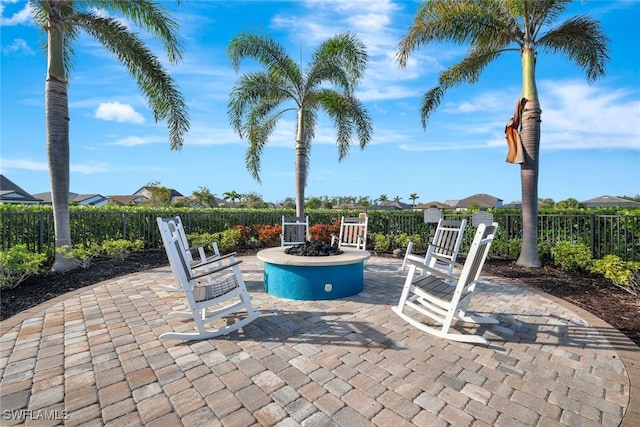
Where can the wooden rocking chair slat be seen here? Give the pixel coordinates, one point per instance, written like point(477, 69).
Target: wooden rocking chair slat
point(443, 248)
point(353, 232)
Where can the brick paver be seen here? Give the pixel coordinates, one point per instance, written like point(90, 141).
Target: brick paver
point(93, 357)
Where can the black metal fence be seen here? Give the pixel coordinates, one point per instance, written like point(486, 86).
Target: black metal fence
point(604, 234)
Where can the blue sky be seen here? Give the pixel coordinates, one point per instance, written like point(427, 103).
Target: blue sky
point(590, 143)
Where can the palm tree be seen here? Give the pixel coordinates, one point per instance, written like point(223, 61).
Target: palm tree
point(233, 195)
point(493, 27)
point(63, 20)
point(260, 99)
point(204, 197)
point(413, 197)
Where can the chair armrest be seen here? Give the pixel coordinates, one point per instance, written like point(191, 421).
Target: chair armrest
point(215, 270)
point(441, 274)
point(213, 259)
point(193, 248)
point(444, 260)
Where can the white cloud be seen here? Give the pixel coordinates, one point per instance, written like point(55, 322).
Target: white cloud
point(132, 141)
point(33, 165)
point(115, 111)
point(90, 168)
point(445, 146)
point(18, 45)
point(24, 164)
point(576, 115)
point(24, 16)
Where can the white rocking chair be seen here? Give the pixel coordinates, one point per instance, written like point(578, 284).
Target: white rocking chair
point(353, 232)
point(434, 296)
point(208, 292)
point(176, 227)
point(295, 230)
point(445, 244)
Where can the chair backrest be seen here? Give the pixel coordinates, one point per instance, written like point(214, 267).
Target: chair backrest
point(446, 240)
point(180, 263)
point(295, 230)
point(477, 254)
point(175, 249)
point(353, 232)
point(175, 227)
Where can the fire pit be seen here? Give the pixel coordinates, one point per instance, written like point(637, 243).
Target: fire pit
point(313, 277)
point(317, 248)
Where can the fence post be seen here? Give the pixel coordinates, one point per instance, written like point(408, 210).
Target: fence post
point(124, 225)
point(593, 235)
point(41, 232)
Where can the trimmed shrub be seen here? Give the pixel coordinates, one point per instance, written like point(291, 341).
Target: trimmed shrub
point(571, 256)
point(624, 274)
point(17, 264)
point(269, 235)
point(82, 254)
point(119, 249)
point(323, 232)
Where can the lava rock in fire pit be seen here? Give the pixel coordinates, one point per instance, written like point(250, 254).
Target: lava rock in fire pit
point(313, 249)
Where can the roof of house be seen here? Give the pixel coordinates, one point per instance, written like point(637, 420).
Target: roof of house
point(128, 199)
point(434, 204)
point(610, 201)
point(10, 192)
point(479, 200)
point(390, 205)
point(350, 206)
point(82, 199)
point(174, 193)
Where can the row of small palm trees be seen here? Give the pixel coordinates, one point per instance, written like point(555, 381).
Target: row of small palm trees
point(259, 99)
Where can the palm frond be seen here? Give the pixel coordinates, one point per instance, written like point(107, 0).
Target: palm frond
point(583, 42)
point(346, 55)
point(349, 115)
point(267, 52)
point(466, 71)
point(259, 91)
point(161, 91)
point(147, 14)
point(538, 14)
point(258, 133)
point(481, 22)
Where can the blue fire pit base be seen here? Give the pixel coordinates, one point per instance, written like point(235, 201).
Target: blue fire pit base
point(313, 278)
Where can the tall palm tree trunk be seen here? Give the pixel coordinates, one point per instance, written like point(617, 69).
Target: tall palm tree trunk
point(57, 134)
point(530, 136)
point(300, 166)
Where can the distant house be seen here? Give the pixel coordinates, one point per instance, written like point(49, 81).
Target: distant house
point(134, 199)
point(437, 205)
point(390, 205)
point(481, 201)
point(351, 206)
point(12, 193)
point(80, 199)
point(610, 202)
point(144, 191)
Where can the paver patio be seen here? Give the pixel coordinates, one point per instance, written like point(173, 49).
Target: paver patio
point(93, 357)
